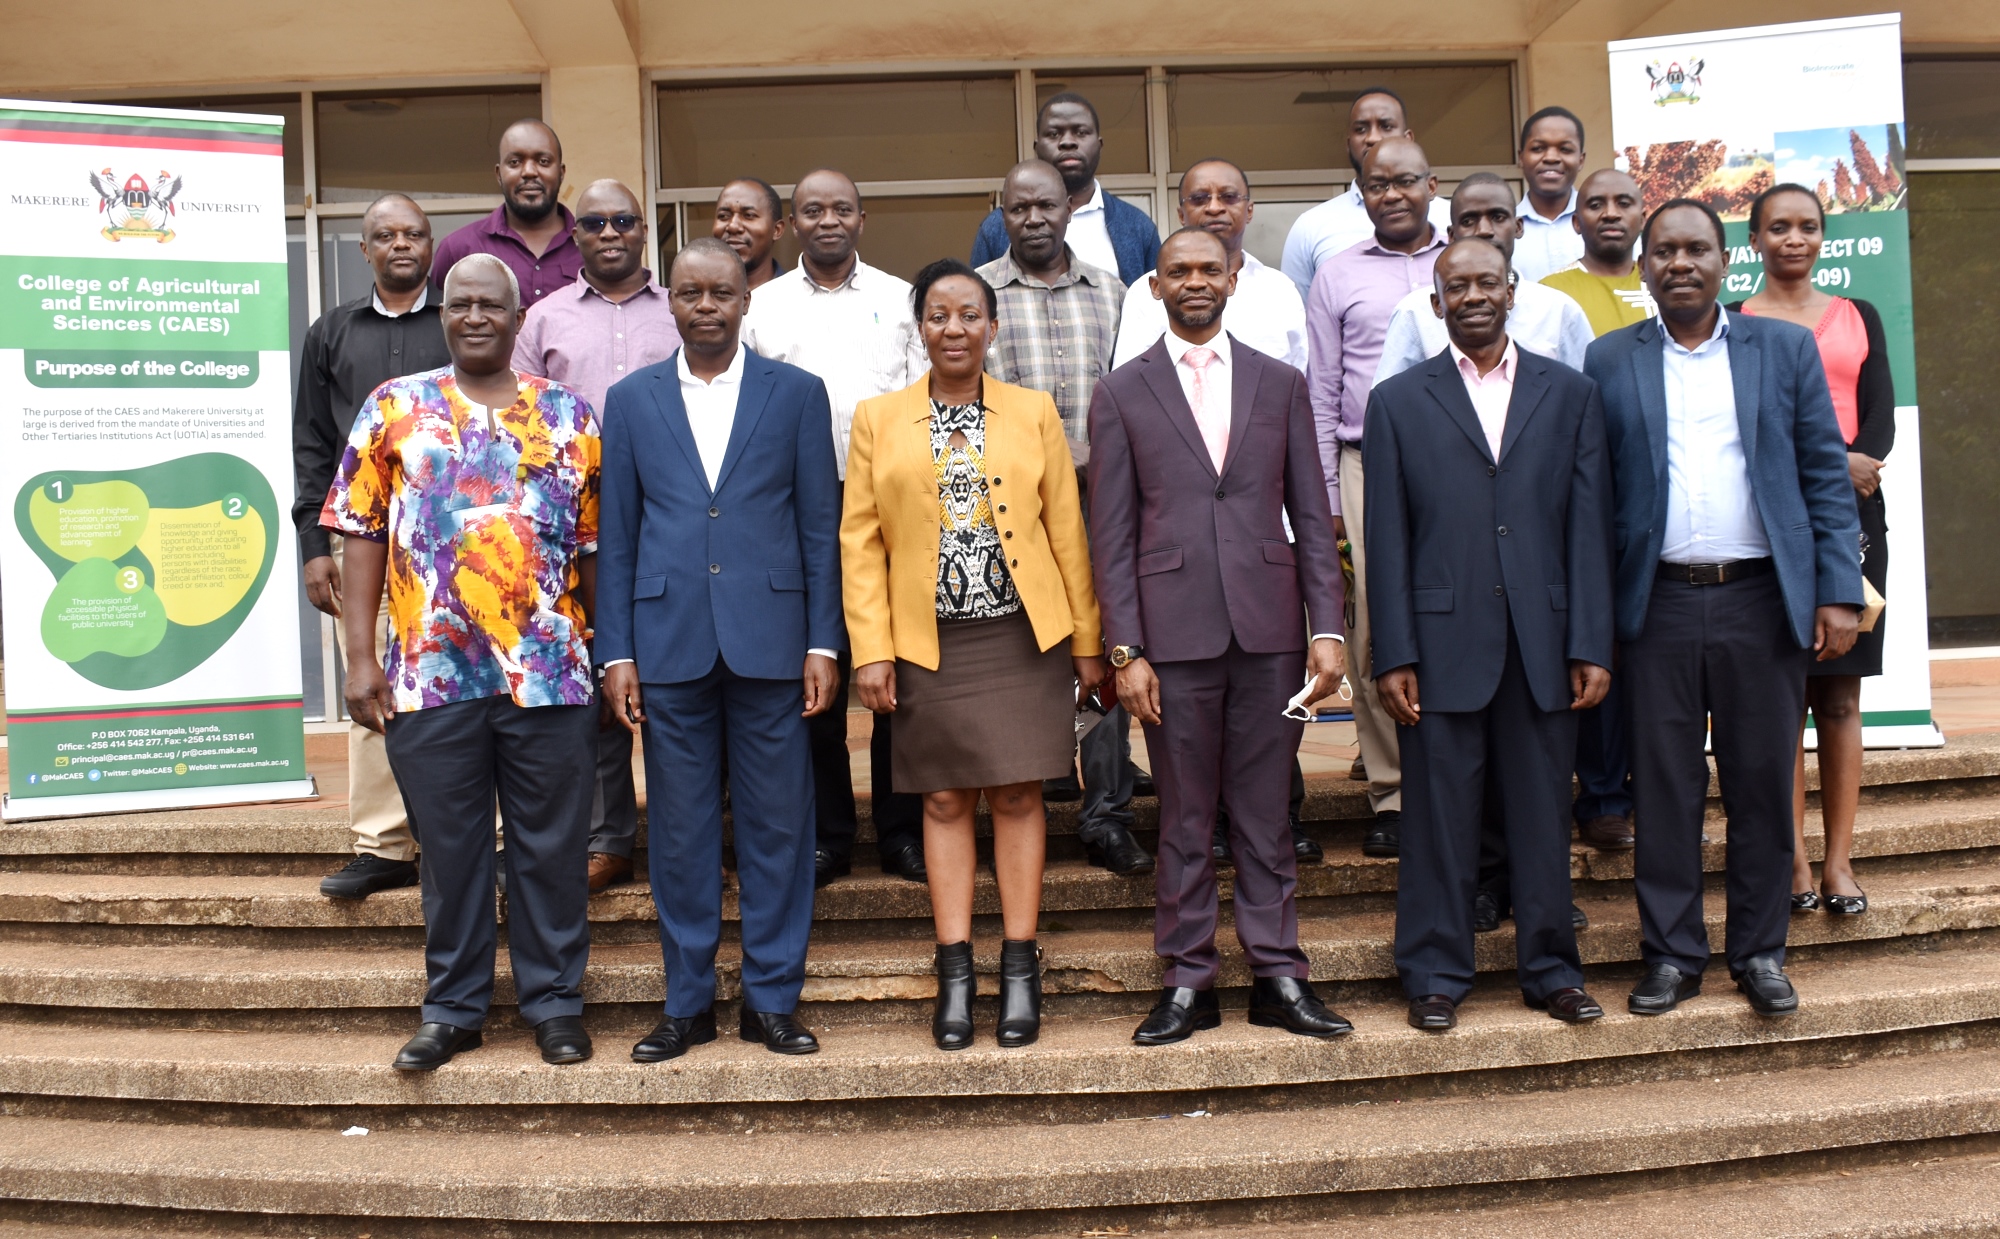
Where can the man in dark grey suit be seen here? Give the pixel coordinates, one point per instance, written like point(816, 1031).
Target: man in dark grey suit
point(1198, 447)
point(1489, 581)
point(1738, 559)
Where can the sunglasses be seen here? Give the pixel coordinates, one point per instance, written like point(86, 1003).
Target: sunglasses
point(596, 223)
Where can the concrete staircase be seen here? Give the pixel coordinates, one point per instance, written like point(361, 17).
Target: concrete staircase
point(187, 1030)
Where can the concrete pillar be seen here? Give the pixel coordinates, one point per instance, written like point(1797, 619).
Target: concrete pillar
point(598, 111)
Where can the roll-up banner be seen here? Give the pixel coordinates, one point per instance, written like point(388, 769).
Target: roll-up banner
point(149, 560)
point(1724, 115)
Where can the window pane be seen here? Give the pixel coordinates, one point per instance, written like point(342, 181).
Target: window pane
point(344, 274)
point(1952, 108)
point(1297, 118)
point(873, 131)
point(1956, 290)
point(427, 146)
point(1120, 100)
point(287, 106)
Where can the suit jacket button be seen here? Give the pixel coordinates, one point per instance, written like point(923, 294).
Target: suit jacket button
point(996, 481)
point(1003, 507)
point(715, 511)
point(1490, 471)
point(714, 568)
point(1218, 492)
point(1503, 531)
point(1499, 591)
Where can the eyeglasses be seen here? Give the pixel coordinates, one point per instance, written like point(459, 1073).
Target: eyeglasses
point(1228, 198)
point(621, 223)
point(1407, 183)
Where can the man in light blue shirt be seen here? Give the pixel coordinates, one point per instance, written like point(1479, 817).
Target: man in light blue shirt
point(1342, 220)
point(1551, 155)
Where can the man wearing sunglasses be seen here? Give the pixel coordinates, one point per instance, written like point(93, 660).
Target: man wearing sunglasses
point(613, 320)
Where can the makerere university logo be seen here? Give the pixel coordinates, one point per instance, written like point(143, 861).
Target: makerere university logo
point(136, 209)
point(1675, 83)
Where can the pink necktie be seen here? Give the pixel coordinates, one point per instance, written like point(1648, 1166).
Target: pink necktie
point(1214, 430)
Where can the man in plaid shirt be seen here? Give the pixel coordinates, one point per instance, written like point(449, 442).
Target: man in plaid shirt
point(1058, 322)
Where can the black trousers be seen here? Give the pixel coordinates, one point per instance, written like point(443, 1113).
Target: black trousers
point(1715, 663)
point(1450, 761)
point(450, 762)
point(899, 816)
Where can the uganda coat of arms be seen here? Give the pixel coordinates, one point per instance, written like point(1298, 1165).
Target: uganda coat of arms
point(136, 209)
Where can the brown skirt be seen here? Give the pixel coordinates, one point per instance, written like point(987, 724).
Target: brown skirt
point(996, 711)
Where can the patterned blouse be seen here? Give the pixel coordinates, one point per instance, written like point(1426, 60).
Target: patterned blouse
point(485, 513)
point(972, 569)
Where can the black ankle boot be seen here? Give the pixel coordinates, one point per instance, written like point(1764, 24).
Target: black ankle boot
point(951, 1026)
point(1020, 993)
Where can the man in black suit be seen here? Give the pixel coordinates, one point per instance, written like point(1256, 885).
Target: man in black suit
point(1489, 576)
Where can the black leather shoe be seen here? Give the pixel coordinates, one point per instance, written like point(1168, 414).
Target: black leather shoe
point(1218, 847)
point(780, 1033)
point(1290, 1004)
point(672, 1036)
point(1115, 849)
point(434, 1045)
point(1767, 987)
point(1577, 920)
point(827, 867)
point(906, 862)
point(1063, 790)
point(562, 1039)
point(1433, 1013)
point(1305, 847)
point(1180, 1013)
point(366, 874)
point(951, 1022)
point(1020, 993)
point(1485, 912)
point(1838, 905)
point(1385, 837)
point(1142, 783)
point(1570, 1005)
point(1663, 988)
point(1805, 901)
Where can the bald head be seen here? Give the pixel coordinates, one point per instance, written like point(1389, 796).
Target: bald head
point(1610, 209)
point(610, 233)
point(396, 241)
point(1034, 207)
point(607, 197)
point(1396, 190)
point(827, 219)
point(1473, 294)
point(530, 172)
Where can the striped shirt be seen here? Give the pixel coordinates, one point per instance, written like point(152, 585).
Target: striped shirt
point(1056, 337)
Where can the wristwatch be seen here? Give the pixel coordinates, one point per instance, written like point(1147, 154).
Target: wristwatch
point(1122, 655)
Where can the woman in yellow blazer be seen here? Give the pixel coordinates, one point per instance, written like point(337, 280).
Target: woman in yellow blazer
point(966, 579)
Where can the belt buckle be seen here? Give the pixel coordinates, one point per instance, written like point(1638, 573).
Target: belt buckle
point(1707, 574)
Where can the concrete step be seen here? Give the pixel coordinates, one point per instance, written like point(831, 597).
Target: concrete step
point(223, 901)
point(1224, 1152)
point(1088, 1060)
point(1092, 952)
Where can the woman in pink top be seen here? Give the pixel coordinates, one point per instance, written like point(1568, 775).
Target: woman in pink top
point(1786, 226)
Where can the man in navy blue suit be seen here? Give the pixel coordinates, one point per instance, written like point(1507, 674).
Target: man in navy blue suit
point(1738, 560)
point(719, 592)
point(1489, 583)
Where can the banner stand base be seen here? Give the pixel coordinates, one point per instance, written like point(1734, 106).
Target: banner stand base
point(20, 809)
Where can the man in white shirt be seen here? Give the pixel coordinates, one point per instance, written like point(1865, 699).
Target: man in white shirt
point(1342, 221)
point(1542, 320)
point(1551, 155)
point(1265, 311)
point(853, 326)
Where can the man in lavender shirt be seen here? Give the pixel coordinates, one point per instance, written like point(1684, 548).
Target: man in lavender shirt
point(612, 321)
point(530, 229)
point(1347, 317)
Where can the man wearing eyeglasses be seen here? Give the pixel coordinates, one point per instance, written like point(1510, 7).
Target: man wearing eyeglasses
point(614, 320)
point(1347, 319)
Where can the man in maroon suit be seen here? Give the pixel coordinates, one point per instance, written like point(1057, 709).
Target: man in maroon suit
point(1199, 446)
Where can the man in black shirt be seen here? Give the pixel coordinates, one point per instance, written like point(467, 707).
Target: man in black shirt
point(350, 351)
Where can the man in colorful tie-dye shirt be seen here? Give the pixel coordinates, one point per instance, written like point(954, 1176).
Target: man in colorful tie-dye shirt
point(473, 490)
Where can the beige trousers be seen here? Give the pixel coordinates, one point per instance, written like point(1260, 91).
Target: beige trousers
point(1372, 724)
point(374, 802)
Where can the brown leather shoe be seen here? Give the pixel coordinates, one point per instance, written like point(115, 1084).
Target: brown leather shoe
point(1433, 1013)
point(607, 869)
point(1610, 833)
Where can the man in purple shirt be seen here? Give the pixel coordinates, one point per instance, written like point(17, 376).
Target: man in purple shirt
point(530, 230)
point(613, 321)
point(1347, 316)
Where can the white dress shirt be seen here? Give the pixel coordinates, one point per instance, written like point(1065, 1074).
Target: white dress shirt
point(1266, 313)
point(1546, 245)
point(1490, 392)
point(1543, 321)
point(711, 410)
point(1339, 223)
point(1089, 237)
point(860, 339)
point(1711, 510)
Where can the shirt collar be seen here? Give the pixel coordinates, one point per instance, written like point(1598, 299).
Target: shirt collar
point(1526, 210)
point(1509, 362)
point(583, 289)
point(1096, 202)
point(854, 278)
point(423, 299)
point(1079, 272)
point(1438, 242)
point(1177, 348)
point(731, 377)
point(497, 225)
point(1721, 332)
